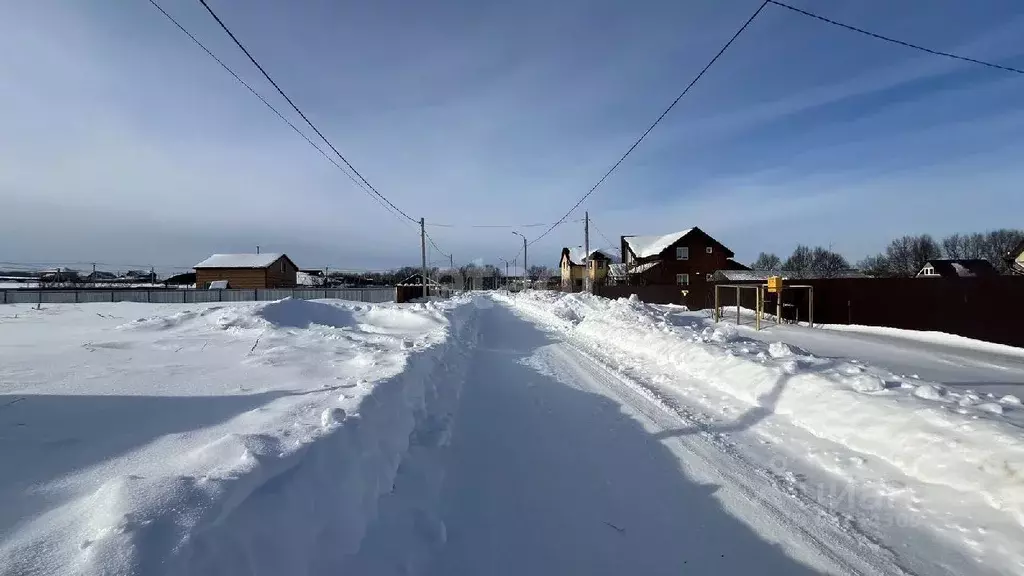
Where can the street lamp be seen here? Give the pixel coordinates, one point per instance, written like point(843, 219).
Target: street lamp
point(524, 257)
point(506, 272)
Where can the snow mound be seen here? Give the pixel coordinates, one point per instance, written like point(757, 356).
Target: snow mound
point(779, 350)
point(292, 313)
point(929, 392)
point(865, 383)
point(918, 428)
point(264, 449)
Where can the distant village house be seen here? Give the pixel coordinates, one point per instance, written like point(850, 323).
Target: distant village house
point(247, 271)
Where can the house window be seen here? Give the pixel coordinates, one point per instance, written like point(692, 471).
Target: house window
point(708, 250)
point(682, 253)
point(928, 271)
point(683, 279)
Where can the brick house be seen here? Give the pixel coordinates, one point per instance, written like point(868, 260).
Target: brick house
point(687, 259)
point(247, 271)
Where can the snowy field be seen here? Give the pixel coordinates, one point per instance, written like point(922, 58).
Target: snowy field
point(182, 439)
point(538, 433)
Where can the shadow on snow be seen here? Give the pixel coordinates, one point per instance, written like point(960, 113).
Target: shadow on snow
point(549, 479)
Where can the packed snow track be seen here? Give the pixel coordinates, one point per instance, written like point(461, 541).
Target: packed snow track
point(531, 434)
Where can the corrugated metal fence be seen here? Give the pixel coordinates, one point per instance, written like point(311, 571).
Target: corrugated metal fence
point(171, 296)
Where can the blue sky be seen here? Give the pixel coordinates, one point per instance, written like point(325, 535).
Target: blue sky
point(124, 143)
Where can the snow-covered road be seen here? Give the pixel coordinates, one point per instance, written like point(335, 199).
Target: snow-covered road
point(538, 434)
point(558, 467)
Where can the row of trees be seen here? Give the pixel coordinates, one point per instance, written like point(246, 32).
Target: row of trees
point(819, 262)
point(903, 257)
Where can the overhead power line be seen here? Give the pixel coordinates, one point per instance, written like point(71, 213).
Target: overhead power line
point(598, 230)
point(270, 106)
point(893, 40)
point(434, 244)
point(657, 121)
point(299, 111)
point(536, 225)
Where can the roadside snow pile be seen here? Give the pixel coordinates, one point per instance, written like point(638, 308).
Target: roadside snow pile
point(931, 433)
point(235, 439)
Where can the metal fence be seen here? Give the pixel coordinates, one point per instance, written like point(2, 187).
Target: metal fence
point(171, 296)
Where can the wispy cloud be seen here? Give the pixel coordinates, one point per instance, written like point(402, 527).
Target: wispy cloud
point(486, 112)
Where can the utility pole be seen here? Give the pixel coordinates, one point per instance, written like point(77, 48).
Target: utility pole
point(587, 286)
point(257, 248)
point(423, 253)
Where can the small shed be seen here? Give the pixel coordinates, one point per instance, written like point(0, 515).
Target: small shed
point(412, 288)
point(247, 270)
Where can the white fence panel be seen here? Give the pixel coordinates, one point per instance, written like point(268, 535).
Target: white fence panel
point(169, 296)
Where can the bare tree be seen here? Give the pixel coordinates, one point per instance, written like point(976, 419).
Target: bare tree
point(877, 265)
point(998, 244)
point(827, 264)
point(962, 246)
point(538, 272)
point(907, 255)
point(768, 262)
point(800, 260)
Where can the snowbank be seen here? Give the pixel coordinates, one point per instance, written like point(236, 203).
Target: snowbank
point(241, 439)
point(930, 337)
point(930, 433)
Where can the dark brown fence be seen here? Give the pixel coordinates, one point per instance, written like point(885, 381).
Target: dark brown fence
point(990, 309)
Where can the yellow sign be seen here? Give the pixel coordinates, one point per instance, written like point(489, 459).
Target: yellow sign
point(775, 283)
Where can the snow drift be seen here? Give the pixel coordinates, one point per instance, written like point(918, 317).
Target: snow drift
point(242, 439)
point(933, 434)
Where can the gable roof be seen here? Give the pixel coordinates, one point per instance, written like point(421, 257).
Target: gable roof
point(417, 280)
point(962, 267)
point(577, 256)
point(262, 260)
point(647, 246)
point(650, 246)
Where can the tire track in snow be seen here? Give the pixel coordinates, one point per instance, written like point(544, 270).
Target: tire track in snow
point(816, 528)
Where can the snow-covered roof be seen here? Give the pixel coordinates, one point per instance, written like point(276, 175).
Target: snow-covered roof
point(417, 280)
point(239, 260)
point(762, 275)
point(621, 270)
point(647, 246)
point(578, 256)
point(962, 267)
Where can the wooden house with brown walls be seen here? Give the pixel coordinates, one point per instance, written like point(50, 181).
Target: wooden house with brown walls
point(247, 271)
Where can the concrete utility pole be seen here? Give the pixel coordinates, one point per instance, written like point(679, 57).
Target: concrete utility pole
point(423, 253)
point(587, 286)
point(524, 257)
